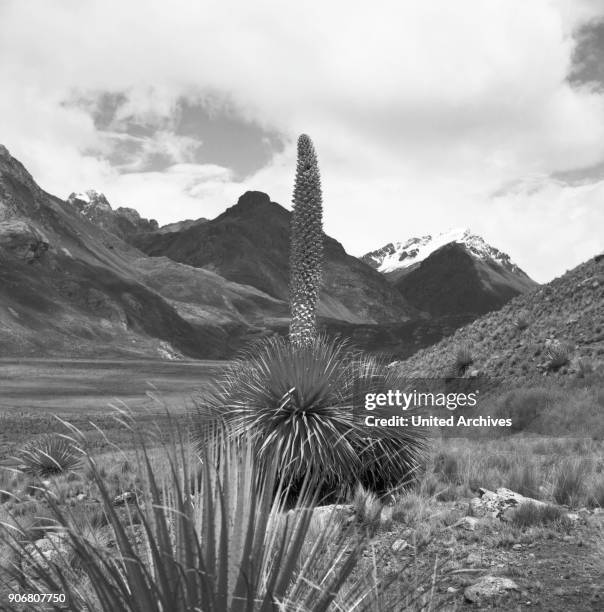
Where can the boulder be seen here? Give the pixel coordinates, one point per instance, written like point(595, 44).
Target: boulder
point(49, 549)
point(499, 504)
point(469, 523)
point(22, 240)
point(474, 559)
point(489, 587)
point(331, 514)
point(399, 545)
point(128, 497)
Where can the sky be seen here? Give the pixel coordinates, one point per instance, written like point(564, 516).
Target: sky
point(425, 114)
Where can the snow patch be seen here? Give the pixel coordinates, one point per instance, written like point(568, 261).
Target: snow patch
point(82, 196)
point(401, 255)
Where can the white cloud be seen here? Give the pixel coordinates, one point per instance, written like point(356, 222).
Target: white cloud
point(420, 110)
point(186, 190)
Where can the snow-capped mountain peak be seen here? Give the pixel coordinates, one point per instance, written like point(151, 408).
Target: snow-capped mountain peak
point(400, 255)
point(81, 195)
point(90, 198)
point(121, 221)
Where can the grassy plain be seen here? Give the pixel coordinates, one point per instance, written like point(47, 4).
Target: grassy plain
point(33, 391)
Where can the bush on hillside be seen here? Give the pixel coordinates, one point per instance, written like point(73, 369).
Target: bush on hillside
point(524, 406)
point(463, 360)
point(522, 322)
point(558, 354)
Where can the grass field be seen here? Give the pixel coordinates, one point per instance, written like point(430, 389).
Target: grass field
point(33, 391)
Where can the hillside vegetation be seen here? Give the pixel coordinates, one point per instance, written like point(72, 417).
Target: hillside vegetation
point(553, 332)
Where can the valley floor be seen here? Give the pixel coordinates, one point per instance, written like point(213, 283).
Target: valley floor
point(33, 391)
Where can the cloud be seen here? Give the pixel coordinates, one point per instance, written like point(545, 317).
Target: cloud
point(420, 111)
point(160, 150)
point(187, 190)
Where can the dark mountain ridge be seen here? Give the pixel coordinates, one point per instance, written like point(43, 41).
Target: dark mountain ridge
point(68, 287)
point(452, 281)
point(249, 244)
point(455, 273)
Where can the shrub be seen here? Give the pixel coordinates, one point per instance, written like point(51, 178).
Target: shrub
point(411, 508)
point(584, 368)
point(558, 355)
point(297, 404)
point(463, 360)
point(499, 462)
point(9, 482)
point(534, 515)
point(569, 481)
point(450, 493)
point(367, 508)
point(430, 485)
point(446, 465)
point(523, 406)
point(521, 322)
point(595, 498)
point(524, 478)
point(49, 455)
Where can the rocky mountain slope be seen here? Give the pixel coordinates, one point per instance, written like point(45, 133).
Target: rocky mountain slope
point(122, 222)
point(179, 225)
point(554, 331)
point(454, 273)
point(69, 287)
point(452, 280)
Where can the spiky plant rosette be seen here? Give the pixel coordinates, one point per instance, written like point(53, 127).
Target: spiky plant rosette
point(50, 454)
point(390, 456)
point(291, 401)
point(298, 405)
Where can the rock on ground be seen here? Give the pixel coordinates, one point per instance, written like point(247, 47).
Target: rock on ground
point(499, 504)
point(489, 587)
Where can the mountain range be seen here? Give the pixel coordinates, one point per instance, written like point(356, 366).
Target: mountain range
point(81, 278)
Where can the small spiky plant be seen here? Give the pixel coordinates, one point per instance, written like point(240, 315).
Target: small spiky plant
point(306, 254)
point(558, 355)
point(49, 455)
point(463, 360)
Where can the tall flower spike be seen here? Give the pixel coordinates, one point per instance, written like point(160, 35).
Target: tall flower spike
point(306, 253)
